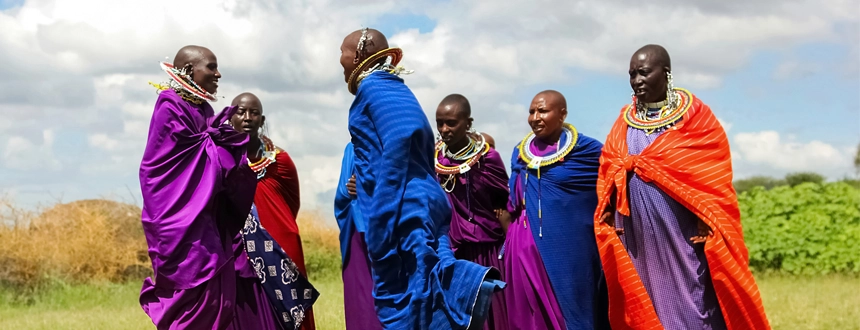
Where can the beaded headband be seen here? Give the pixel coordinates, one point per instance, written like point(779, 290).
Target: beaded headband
point(361, 41)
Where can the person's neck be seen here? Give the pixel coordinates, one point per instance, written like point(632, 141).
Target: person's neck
point(656, 104)
point(458, 145)
point(551, 139)
point(252, 148)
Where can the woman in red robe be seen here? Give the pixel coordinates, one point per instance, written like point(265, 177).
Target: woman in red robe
point(277, 196)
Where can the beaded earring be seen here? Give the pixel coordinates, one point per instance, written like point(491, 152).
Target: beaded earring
point(670, 88)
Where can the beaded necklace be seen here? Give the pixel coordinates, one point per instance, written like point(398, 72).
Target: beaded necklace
point(185, 87)
point(473, 152)
point(268, 151)
point(470, 154)
point(570, 137)
point(636, 114)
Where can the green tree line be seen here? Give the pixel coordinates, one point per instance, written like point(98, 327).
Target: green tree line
point(801, 224)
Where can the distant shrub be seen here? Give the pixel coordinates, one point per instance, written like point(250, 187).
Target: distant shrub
point(794, 179)
point(86, 240)
point(102, 240)
point(765, 182)
point(809, 228)
point(851, 182)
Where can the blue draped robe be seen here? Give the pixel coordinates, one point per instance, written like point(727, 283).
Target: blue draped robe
point(346, 210)
point(567, 194)
point(418, 284)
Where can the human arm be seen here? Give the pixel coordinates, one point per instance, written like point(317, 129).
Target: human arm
point(496, 181)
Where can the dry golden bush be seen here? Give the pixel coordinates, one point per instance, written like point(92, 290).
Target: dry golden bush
point(81, 241)
point(102, 240)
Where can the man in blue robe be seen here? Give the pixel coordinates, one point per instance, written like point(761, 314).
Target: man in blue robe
point(418, 284)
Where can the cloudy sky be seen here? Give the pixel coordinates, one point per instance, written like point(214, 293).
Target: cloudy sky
point(782, 76)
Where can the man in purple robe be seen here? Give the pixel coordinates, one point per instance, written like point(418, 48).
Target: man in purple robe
point(474, 176)
point(196, 197)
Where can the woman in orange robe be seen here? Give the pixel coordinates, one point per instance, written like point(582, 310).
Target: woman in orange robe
point(667, 223)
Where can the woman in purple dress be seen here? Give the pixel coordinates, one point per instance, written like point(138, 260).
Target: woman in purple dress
point(196, 197)
point(474, 176)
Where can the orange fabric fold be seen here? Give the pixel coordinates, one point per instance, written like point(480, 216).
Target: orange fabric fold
point(691, 162)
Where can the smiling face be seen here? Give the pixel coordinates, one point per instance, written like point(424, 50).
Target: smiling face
point(546, 116)
point(249, 117)
point(204, 71)
point(648, 77)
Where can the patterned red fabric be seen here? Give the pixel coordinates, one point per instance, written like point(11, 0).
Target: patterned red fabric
point(691, 162)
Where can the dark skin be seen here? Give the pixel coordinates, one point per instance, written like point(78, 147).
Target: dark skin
point(546, 116)
point(201, 64)
point(453, 124)
point(249, 118)
point(648, 68)
point(489, 139)
point(350, 58)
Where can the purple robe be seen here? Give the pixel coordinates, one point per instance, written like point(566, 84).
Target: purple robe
point(197, 193)
point(657, 238)
point(476, 234)
point(551, 259)
point(359, 312)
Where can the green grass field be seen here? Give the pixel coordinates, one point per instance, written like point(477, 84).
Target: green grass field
point(831, 302)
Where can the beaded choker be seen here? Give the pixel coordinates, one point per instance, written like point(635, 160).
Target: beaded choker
point(473, 152)
point(268, 157)
point(470, 155)
point(184, 86)
point(536, 162)
point(670, 113)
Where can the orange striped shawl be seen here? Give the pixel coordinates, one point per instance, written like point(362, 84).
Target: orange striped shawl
point(691, 162)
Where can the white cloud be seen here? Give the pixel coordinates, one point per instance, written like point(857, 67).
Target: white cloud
point(102, 141)
point(85, 72)
point(23, 154)
point(770, 149)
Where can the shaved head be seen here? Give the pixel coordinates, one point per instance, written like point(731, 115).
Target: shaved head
point(247, 98)
point(489, 139)
point(375, 42)
point(200, 64)
point(553, 98)
point(249, 116)
point(649, 73)
point(190, 55)
point(658, 53)
point(461, 103)
point(350, 56)
point(546, 115)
